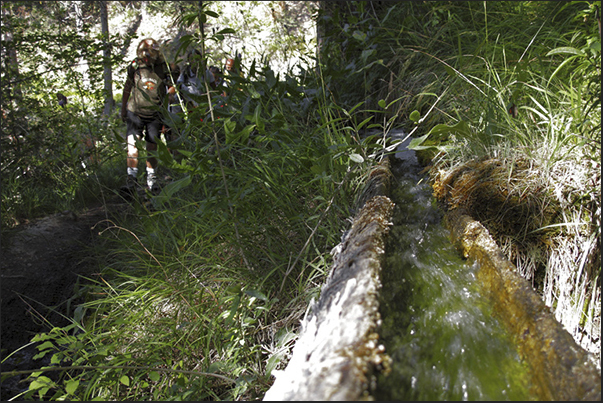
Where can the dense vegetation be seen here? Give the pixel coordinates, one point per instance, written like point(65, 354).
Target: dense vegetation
point(200, 290)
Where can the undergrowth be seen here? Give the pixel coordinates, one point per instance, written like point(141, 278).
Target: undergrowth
point(521, 147)
point(200, 291)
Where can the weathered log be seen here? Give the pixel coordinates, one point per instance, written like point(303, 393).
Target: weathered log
point(560, 368)
point(338, 343)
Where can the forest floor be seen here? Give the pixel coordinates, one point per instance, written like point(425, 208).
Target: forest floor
point(42, 261)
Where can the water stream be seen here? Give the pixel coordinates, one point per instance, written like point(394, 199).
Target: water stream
point(437, 328)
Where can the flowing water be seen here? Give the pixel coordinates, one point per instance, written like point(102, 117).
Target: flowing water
point(437, 328)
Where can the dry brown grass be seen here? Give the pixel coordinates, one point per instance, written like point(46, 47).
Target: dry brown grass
point(547, 221)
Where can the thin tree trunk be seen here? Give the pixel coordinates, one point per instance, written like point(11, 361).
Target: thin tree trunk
point(9, 55)
point(107, 72)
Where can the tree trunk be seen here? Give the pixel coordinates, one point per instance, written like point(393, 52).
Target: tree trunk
point(9, 56)
point(107, 72)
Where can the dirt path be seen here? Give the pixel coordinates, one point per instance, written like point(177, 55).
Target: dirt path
point(39, 267)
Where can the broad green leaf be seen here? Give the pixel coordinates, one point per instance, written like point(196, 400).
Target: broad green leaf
point(461, 128)
point(41, 382)
point(215, 366)
point(273, 361)
point(356, 107)
point(366, 54)
point(164, 154)
point(270, 78)
point(234, 289)
point(416, 142)
point(435, 134)
point(46, 345)
point(229, 126)
point(393, 102)
point(186, 153)
point(78, 314)
point(226, 31)
point(169, 190)
point(596, 46)
point(154, 376)
point(450, 71)
point(381, 103)
point(125, 380)
point(359, 35)
point(415, 116)
point(368, 66)
point(257, 118)
point(233, 309)
point(71, 386)
point(241, 136)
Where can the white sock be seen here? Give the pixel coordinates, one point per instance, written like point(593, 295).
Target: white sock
point(133, 172)
point(150, 177)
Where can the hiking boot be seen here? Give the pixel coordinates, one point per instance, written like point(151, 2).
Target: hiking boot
point(152, 185)
point(130, 188)
point(155, 189)
point(131, 181)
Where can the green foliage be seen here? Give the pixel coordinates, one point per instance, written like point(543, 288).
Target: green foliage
point(200, 291)
point(183, 316)
point(51, 156)
point(518, 83)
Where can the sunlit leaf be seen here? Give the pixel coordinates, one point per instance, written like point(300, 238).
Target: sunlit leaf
point(415, 116)
point(71, 386)
point(359, 35)
point(357, 158)
point(568, 50)
point(125, 380)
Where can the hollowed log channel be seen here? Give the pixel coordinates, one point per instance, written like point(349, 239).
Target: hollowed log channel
point(338, 348)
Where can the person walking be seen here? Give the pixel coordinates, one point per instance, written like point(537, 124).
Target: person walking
point(148, 84)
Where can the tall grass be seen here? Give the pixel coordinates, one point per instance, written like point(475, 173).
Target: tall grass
point(199, 291)
point(198, 294)
point(544, 61)
point(509, 92)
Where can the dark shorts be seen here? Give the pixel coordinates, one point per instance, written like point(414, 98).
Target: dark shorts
point(151, 127)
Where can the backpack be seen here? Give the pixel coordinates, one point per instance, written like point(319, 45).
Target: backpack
point(190, 85)
point(148, 91)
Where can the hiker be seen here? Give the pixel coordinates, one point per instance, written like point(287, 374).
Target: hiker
point(191, 85)
point(190, 82)
point(144, 94)
point(62, 99)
